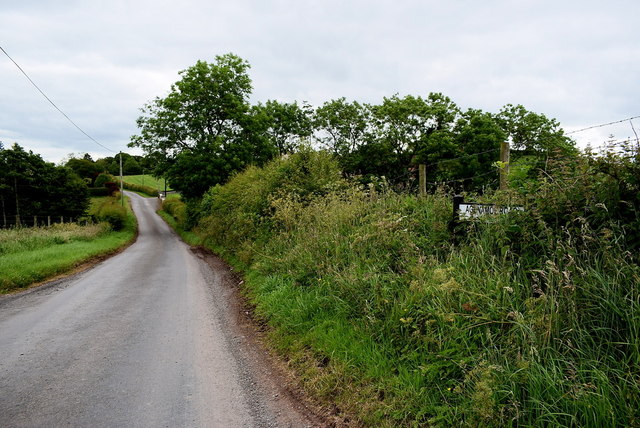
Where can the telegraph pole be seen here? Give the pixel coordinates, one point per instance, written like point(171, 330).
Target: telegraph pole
point(121, 186)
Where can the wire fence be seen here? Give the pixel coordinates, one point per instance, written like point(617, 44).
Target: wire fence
point(14, 221)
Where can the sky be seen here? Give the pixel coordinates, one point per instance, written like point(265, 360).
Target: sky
point(100, 61)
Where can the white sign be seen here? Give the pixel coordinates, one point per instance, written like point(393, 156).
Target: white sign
point(468, 210)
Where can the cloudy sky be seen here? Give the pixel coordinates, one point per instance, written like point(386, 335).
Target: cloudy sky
point(101, 60)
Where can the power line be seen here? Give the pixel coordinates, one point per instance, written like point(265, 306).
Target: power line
point(600, 126)
point(53, 104)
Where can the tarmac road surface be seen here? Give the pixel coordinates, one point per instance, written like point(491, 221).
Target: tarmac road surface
point(142, 339)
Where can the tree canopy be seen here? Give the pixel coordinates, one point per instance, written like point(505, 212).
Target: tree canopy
point(204, 130)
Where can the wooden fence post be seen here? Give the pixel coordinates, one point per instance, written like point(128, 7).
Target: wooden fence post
point(504, 167)
point(422, 174)
point(455, 218)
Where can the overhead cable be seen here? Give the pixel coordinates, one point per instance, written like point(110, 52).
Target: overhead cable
point(53, 104)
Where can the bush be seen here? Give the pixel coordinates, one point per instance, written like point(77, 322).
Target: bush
point(98, 191)
point(177, 209)
point(102, 179)
point(249, 199)
point(112, 187)
point(112, 212)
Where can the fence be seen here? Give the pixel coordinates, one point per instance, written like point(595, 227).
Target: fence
point(33, 221)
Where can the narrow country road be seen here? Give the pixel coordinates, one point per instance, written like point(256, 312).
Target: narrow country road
point(141, 340)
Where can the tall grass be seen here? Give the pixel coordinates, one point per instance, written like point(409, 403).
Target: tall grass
point(531, 319)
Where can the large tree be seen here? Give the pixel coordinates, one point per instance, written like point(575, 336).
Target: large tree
point(204, 129)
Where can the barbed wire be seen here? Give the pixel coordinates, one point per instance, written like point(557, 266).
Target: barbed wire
point(601, 125)
point(462, 157)
point(462, 179)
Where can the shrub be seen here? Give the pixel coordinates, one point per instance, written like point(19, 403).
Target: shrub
point(102, 179)
point(249, 199)
point(98, 191)
point(177, 209)
point(112, 187)
point(114, 213)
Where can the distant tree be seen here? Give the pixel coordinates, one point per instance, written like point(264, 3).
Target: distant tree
point(131, 167)
point(203, 130)
point(477, 137)
point(535, 139)
point(85, 167)
point(66, 193)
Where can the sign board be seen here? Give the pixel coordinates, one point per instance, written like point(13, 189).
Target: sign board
point(468, 210)
point(473, 210)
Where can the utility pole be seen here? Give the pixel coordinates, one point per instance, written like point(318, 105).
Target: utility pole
point(504, 165)
point(121, 186)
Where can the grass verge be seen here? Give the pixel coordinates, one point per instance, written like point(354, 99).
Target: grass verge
point(29, 256)
point(187, 236)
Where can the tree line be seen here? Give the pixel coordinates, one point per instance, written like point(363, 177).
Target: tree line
point(30, 186)
point(206, 129)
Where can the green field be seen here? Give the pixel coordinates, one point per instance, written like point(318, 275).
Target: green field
point(32, 255)
point(146, 180)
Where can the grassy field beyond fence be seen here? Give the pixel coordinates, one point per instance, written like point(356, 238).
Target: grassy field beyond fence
point(146, 180)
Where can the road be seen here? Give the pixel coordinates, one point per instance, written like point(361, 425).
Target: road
point(143, 339)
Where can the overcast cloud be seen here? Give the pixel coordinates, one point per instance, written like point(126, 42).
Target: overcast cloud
point(100, 61)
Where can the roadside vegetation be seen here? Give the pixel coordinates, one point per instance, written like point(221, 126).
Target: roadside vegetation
point(389, 313)
point(525, 319)
point(32, 255)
